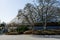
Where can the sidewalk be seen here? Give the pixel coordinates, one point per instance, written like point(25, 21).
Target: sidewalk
point(25, 37)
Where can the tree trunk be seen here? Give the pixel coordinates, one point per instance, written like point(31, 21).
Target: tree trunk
point(45, 23)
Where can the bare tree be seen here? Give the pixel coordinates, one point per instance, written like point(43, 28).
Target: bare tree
point(46, 8)
point(28, 17)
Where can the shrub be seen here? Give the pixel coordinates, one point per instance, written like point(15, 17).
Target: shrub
point(12, 33)
point(22, 28)
point(38, 32)
point(28, 32)
point(44, 32)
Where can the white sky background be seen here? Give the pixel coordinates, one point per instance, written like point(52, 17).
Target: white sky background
point(9, 9)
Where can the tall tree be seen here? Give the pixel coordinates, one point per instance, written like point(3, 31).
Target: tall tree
point(46, 9)
point(29, 11)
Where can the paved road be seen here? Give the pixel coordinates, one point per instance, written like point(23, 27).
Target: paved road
point(28, 37)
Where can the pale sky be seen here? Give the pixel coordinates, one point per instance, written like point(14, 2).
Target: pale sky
point(9, 8)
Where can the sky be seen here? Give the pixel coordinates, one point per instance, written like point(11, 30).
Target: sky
point(9, 9)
